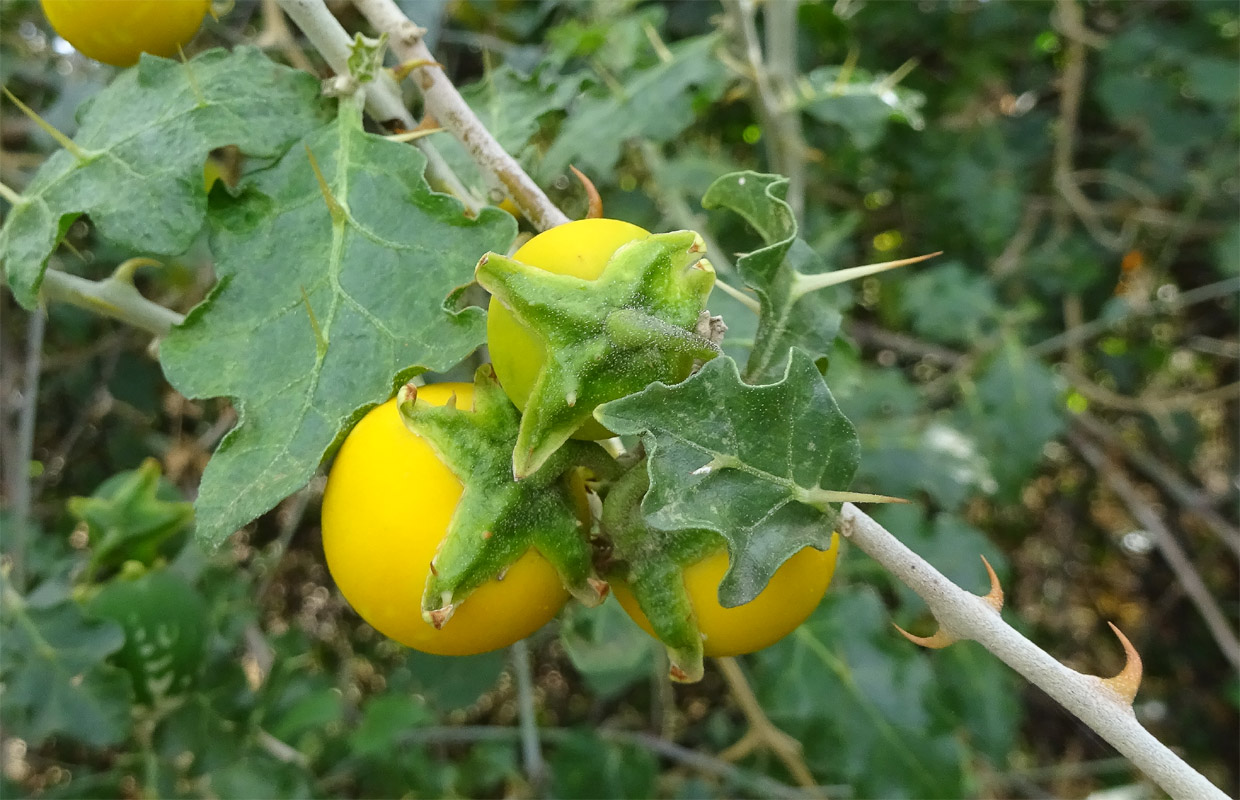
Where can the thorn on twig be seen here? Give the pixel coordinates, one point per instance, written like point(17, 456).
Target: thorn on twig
point(401, 71)
point(594, 209)
point(938, 641)
point(1126, 683)
point(995, 596)
point(941, 638)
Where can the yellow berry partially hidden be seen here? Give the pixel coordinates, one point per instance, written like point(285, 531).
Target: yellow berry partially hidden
point(117, 32)
point(794, 592)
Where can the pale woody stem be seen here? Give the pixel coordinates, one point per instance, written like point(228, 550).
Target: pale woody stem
point(969, 617)
point(451, 111)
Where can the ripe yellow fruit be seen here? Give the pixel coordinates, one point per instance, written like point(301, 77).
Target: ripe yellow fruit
point(794, 592)
point(387, 506)
point(581, 249)
point(118, 31)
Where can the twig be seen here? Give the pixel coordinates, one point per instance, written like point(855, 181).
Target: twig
point(1072, 85)
point(1201, 294)
point(760, 785)
point(781, 52)
point(275, 34)
point(1187, 575)
point(902, 343)
point(531, 752)
point(970, 617)
point(785, 147)
point(281, 751)
point(293, 515)
point(762, 733)
point(19, 473)
point(383, 100)
point(1149, 405)
point(112, 298)
point(1193, 500)
point(451, 111)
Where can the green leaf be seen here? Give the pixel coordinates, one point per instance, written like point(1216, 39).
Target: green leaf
point(860, 103)
point(384, 720)
point(1012, 411)
point(165, 622)
point(793, 312)
point(129, 516)
point(718, 463)
point(318, 316)
point(55, 677)
point(454, 682)
point(498, 518)
point(605, 338)
point(143, 142)
point(653, 104)
point(950, 304)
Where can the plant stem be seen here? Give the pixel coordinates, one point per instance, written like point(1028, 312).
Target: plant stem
point(383, 100)
point(531, 752)
point(451, 111)
point(111, 297)
point(19, 473)
point(781, 124)
point(969, 617)
point(1193, 500)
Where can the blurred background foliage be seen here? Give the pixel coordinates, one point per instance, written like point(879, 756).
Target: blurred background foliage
point(1056, 392)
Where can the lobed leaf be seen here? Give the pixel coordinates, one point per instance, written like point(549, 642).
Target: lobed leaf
point(791, 314)
point(751, 463)
point(56, 679)
point(315, 312)
point(143, 142)
point(653, 104)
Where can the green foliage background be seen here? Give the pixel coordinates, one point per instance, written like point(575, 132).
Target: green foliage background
point(928, 126)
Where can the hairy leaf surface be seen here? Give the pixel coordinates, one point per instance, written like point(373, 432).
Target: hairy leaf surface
point(791, 315)
point(748, 462)
point(654, 103)
point(144, 140)
point(317, 316)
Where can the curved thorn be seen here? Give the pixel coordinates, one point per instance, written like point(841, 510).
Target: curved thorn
point(401, 71)
point(600, 587)
point(995, 596)
point(938, 641)
point(1125, 684)
point(126, 269)
point(594, 207)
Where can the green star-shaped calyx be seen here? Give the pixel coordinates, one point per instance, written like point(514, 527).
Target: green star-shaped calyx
point(651, 563)
point(607, 338)
point(498, 518)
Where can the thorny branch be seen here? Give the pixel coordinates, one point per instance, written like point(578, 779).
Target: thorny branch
point(1103, 705)
point(450, 110)
point(1097, 703)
